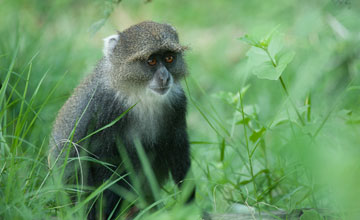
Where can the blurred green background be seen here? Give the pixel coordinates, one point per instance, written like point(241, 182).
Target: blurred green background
point(248, 153)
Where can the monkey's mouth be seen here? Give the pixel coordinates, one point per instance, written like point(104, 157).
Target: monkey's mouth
point(160, 90)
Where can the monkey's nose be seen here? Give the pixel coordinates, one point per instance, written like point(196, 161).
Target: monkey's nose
point(165, 80)
point(164, 77)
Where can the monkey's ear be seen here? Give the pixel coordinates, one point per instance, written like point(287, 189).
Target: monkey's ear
point(110, 43)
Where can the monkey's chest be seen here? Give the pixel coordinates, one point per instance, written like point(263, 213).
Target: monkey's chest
point(146, 126)
point(148, 123)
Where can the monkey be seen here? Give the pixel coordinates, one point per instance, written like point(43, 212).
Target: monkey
point(135, 87)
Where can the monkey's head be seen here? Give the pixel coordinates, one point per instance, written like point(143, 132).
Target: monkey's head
point(145, 56)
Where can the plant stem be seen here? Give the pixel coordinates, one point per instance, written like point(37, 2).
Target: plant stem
point(291, 101)
point(308, 104)
point(284, 87)
point(234, 119)
point(248, 150)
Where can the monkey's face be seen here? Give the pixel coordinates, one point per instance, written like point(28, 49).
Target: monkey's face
point(145, 57)
point(163, 68)
point(158, 65)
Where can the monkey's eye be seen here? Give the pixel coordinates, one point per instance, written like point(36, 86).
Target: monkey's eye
point(169, 59)
point(152, 61)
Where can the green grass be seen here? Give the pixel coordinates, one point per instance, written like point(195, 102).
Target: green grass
point(271, 144)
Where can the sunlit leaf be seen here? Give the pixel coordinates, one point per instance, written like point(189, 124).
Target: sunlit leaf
point(275, 46)
point(266, 41)
point(260, 64)
point(263, 67)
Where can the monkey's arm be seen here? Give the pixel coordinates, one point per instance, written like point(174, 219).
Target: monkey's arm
point(73, 119)
point(180, 162)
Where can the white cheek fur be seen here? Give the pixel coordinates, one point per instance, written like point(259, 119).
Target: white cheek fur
point(149, 110)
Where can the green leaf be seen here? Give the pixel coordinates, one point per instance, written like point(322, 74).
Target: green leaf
point(261, 65)
point(310, 215)
point(222, 150)
point(243, 121)
point(275, 46)
point(283, 59)
point(250, 40)
point(266, 41)
point(353, 88)
point(257, 134)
